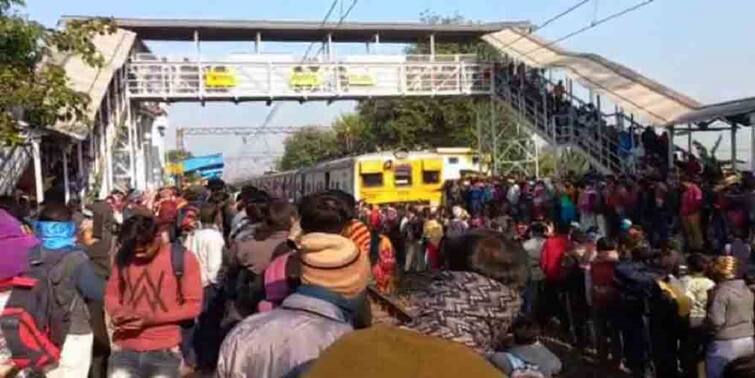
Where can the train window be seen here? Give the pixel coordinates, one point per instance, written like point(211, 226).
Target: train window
point(453, 160)
point(371, 180)
point(430, 177)
point(403, 175)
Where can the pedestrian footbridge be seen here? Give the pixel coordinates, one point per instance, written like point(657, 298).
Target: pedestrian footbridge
point(120, 145)
point(262, 77)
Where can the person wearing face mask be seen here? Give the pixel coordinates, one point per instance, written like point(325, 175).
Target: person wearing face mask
point(74, 283)
point(147, 300)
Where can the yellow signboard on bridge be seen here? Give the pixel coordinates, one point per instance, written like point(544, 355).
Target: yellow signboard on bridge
point(219, 77)
point(174, 169)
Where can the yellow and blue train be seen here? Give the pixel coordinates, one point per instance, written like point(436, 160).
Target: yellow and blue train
point(377, 178)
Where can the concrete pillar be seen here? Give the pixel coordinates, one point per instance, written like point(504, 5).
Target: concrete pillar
point(258, 43)
point(537, 157)
point(38, 178)
point(671, 148)
point(81, 178)
point(107, 129)
point(752, 142)
point(432, 47)
point(66, 181)
point(734, 148)
point(330, 47)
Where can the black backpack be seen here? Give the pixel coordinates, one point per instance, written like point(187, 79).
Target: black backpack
point(25, 325)
point(37, 315)
point(177, 257)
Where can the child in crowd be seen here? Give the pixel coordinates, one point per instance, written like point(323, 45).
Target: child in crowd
point(527, 354)
point(729, 317)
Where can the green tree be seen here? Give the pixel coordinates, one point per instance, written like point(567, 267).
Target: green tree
point(564, 163)
point(33, 83)
point(353, 135)
point(307, 147)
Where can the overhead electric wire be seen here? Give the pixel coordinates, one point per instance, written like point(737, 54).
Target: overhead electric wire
point(343, 17)
point(277, 105)
point(588, 27)
point(549, 21)
point(324, 22)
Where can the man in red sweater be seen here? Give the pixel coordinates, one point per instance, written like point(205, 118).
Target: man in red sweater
point(553, 251)
point(146, 302)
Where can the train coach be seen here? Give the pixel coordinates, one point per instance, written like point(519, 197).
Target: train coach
point(376, 178)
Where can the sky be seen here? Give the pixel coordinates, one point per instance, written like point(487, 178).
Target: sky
point(702, 48)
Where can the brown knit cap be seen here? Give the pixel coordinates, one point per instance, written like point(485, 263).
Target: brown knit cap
point(334, 262)
point(383, 351)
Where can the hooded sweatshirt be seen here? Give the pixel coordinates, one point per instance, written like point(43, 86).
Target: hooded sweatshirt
point(14, 246)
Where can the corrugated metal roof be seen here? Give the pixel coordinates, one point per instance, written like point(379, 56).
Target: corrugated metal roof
point(740, 109)
point(303, 31)
point(94, 81)
point(633, 91)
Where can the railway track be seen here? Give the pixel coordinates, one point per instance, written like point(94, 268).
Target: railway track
point(386, 310)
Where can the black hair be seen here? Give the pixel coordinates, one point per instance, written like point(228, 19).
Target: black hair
point(526, 331)
point(349, 202)
point(488, 253)
point(218, 197)
point(208, 213)
point(643, 254)
point(215, 185)
point(136, 230)
point(698, 263)
point(562, 228)
point(55, 212)
point(537, 229)
point(247, 192)
point(323, 212)
point(278, 218)
point(606, 244)
point(12, 207)
point(279, 215)
point(256, 205)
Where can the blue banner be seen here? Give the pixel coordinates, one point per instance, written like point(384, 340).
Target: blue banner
point(200, 163)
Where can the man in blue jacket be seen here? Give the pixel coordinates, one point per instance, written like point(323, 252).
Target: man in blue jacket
point(74, 282)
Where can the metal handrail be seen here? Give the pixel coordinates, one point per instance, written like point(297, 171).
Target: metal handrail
point(600, 148)
point(12, 167)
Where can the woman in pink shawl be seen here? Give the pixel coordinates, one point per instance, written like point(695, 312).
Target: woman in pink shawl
point(15, 245)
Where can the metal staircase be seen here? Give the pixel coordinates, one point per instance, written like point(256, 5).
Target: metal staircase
point(13, 162)
point(571, 123)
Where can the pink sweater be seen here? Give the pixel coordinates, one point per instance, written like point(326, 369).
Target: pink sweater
point(692, 200)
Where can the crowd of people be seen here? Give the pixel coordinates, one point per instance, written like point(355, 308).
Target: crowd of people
point(648, 274)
